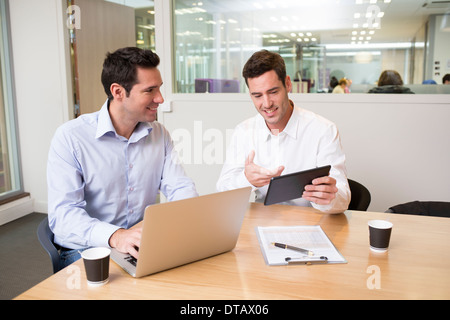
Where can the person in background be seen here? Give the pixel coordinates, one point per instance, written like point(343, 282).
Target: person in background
point(347, 87)
point(283, 138)
point(104, 168)
point(333, 83)
point(342, 85)
point(390, 81)
point(446, 79)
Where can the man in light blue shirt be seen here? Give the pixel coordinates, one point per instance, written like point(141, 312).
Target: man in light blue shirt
point(104, 168)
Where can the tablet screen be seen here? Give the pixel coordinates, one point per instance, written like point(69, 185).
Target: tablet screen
point(291, 186)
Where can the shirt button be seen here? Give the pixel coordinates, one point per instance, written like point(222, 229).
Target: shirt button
point(131, 189)
point(130, 166)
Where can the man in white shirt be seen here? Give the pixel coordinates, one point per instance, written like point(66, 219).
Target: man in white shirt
point(283, 138)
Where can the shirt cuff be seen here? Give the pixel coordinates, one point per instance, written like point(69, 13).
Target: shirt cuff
point(101, 234)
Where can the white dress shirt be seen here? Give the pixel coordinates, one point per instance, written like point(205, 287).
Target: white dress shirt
point(99, 181)
point(308, 141)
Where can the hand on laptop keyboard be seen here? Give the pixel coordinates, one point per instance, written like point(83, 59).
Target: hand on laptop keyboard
point(131, 260)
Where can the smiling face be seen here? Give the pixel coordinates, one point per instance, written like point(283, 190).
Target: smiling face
point(139, 105)
point(142, 103)
point(271, 100)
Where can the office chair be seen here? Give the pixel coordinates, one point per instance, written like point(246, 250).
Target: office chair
point(360, 196)
point(45, 236)
point(423, 208)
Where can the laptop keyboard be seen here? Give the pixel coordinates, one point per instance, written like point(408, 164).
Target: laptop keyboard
point(131, 260)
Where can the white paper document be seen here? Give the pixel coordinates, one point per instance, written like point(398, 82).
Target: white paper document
point(311, 238)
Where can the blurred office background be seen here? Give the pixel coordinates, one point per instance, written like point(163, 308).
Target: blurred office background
point(52, 53)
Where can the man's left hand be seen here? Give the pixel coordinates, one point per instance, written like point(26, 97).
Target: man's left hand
point(322, 190)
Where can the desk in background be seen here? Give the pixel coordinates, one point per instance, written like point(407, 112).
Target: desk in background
point(417, 265)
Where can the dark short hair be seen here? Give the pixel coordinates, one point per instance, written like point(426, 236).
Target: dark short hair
point(446, 78)
point(121, 67)
point(263, 61)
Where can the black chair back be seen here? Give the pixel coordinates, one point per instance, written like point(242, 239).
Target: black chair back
point(423, 208)
point(46, 236)
point(360, 196)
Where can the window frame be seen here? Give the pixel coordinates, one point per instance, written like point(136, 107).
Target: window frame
point(9, 98)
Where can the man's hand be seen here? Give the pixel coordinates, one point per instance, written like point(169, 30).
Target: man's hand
point(127, 241)
point(322, 190)
point(259, 176)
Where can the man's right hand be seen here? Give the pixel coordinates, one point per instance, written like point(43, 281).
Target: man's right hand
point(127, 241)
point(259, 176)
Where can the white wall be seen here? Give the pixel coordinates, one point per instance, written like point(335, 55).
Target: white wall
point(397, 145)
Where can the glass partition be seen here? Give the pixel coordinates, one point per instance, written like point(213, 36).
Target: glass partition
point(320, 40)
point(10, 179)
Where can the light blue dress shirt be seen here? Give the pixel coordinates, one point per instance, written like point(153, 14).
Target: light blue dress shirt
point(99, 181)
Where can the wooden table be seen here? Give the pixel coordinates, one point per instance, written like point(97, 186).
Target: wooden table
point(417, 265)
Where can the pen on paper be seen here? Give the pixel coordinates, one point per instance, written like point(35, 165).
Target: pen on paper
point(286, 246)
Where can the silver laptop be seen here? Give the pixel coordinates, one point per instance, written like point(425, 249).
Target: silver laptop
point(179, 232)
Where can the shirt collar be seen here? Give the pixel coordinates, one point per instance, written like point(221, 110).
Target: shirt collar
point(104, 123)
point(104, 126)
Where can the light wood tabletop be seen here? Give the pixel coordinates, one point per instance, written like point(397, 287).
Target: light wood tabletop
point(416, 266)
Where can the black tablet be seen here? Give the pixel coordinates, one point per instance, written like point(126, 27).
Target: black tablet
point(291, 186)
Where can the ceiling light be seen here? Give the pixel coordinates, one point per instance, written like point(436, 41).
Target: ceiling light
point(257, 5)
point(357, 15)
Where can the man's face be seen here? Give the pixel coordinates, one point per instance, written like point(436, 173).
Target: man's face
point(270, 98)
point(142, 103)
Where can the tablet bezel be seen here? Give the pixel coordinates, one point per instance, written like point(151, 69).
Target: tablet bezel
point(291, 186)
